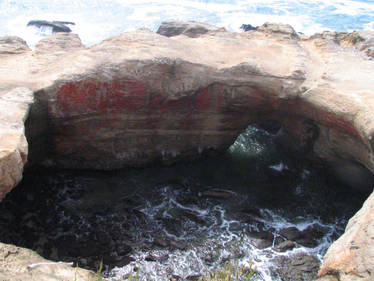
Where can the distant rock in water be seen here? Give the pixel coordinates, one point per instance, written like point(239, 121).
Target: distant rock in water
point(190, 29)
point(248, 27)
point(57, 26)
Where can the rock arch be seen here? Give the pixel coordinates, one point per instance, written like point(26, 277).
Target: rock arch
point(141, 97)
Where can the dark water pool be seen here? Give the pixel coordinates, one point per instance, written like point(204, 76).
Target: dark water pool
point(252, 205)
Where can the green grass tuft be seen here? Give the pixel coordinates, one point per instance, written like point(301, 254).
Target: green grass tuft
point(231, 273)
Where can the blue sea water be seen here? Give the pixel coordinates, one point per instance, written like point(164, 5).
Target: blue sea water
point(99, 19)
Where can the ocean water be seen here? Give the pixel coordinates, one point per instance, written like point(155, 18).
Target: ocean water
point(97, 20)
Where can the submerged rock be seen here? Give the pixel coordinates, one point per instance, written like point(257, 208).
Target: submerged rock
point(262, 239)
point(159, 258)
point(309, 237)
point(219, 193)
point(194, 277)
point(285, 246)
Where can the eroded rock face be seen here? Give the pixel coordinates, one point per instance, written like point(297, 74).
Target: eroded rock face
point(59, 42)
point(12, 45)
point(362, 40)
point(278, 28)
point(140, 97)
point(22, 264)
point(351, 257)
point(163, 103)
point(190, 29)
point(14, 107)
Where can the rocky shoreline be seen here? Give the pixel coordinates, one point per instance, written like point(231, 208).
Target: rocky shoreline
point(142, 98)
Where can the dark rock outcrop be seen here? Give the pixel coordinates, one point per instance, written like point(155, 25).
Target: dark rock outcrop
point(248, 27)
point(57, 26)
point(298, 267)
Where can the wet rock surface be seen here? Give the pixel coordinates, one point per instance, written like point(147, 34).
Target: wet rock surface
point(56, 26)
point(298, 267)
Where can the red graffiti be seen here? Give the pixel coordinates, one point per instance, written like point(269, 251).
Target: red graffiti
point(205, 98)
point(89, 96)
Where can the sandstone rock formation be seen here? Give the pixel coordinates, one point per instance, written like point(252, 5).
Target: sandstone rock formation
point(22, 264)
point(14, 108)
point(141, 97)
point(351, 257)
point(13, 45)
point(58, 42)
point(190, 29)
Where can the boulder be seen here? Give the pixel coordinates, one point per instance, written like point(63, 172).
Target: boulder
point(248, 27)
point(57, 26)
point(296, 267)
point(59, 42)
point(285, 246)
point(278, 28)
point(13, 45)
point(190, 29)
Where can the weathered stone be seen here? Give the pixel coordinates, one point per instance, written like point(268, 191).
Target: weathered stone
point(362, 40)
point(298, 267)
point(60, 41)
point(14, 108)
point(285, 246)
point(190, 29)
point(278, 28)
point(262, 239)
point(291, 233)
point(351, 257)
point(12, 45)
point(22, 264)
point(158, 258)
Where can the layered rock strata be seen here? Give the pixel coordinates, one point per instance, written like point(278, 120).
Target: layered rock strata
point(141, 98)
point(351, 257)
point(14, 108)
